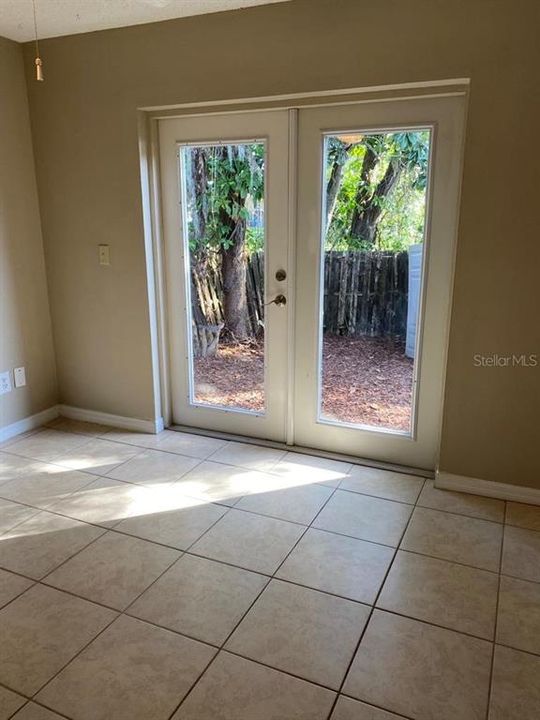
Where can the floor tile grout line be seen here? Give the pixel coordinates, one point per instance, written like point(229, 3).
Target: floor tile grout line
point(279, 670)
point(104, 436)
point(94, 540)
point(195, 683)
point(68, 494)
point(82, 649)
point(182, 553)
point(465, 515)
point(218, 648)
point(105, 529)
point(189, 551)
point(372, 495)
point(219, 449)
point(17, 692)
point(139, 450)
point(448, 562)
point(494, 644)
point(21, 436)
point(34, 582)
point(115, 527)
point(126, 611)
point(519, 650)
point(270, 517)
point(352, 460)
point(37, 702)
point(31, 507)
point(373, 607)
point(272, 577)
point(221, 647)
point(269, 578)
point(95, 477)
point(177, 480)
point(199, 462)
point(432, 624)
point(44, 582)
point(247, 658)
point(51, 509)
point(269, 472)
point(378, 707)
point(155, 624)
point(522, 579)
point(454, 562)
point(118, 614)
point(308, 527)
point(203, 501)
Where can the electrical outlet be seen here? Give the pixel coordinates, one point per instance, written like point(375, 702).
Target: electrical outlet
point(5, 382)
point(19, 375)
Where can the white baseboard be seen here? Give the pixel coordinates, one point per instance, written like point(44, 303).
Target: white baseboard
point(29, 423)
point(118, 421)
point(488, 488)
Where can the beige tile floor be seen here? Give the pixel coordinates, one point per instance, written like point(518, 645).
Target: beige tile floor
point(179, 577)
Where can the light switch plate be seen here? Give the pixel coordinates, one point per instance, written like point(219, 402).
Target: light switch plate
point(20, 377)
point(104, 255)
point(5, 382)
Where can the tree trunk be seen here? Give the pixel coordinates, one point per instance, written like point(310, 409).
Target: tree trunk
point(233, 270)
point(369, 208)
point(334, 183)
point(200, 182)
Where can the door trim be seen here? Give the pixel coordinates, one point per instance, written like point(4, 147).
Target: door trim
point(147, 126)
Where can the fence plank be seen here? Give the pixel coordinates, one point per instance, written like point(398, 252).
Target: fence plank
point(365, 293)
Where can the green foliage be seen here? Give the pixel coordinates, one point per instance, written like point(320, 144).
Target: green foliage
point(254, 239)
point(224, 184)
point(338, 235)
point(225, 188)
point(400, 222)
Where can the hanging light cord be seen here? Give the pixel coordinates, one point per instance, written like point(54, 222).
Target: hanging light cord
point(35, 28)
point(38, 62)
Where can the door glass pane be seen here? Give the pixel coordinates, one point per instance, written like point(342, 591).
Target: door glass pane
point(224, 235)
point(375, 187)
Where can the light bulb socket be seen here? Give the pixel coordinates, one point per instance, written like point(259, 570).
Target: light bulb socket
point(39, 69)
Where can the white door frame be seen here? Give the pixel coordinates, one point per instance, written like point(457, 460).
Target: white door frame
point(148, 118)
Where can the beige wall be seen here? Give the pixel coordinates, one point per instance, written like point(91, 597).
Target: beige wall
point(85, 135)
point(25, 325)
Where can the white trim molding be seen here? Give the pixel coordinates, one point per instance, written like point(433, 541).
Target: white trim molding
point(488, 488)
point(154, 426)
point(151, 192)
point(29, 423)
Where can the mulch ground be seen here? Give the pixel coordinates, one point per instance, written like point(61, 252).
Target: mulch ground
point(365, 380)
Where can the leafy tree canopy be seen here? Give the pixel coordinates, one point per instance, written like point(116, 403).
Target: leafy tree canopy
point(375, 190)
point(225, 184)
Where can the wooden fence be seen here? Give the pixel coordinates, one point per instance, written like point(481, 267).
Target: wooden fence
point(365, 294)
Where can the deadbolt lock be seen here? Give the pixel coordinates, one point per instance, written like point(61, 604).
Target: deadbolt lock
point(281, 275)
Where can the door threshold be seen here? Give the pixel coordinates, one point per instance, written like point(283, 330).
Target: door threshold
point(367, 462)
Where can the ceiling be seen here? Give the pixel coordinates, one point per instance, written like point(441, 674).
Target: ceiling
point(67, 17)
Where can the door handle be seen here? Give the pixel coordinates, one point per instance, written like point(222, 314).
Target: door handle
point(279, 300)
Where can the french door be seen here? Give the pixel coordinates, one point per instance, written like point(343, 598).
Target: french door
point(245, 388)
point(309, 257)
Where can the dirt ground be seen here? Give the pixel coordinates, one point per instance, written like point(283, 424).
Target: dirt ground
point(365, 380)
